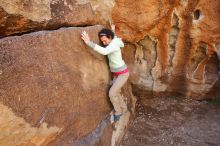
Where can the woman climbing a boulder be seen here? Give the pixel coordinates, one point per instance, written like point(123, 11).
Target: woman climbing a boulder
point(111, 46)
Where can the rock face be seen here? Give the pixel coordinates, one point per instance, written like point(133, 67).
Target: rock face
point(22, 16)
point(102, 9)
point(53, 89)
point(55, 85)
point(176, 43)
point(173, 46)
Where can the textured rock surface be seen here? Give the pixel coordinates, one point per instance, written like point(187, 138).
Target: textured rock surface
point(53, 90)
point(102, 9)
point(16, 131)
point(52, 78)
point(173, 45)
point(18, 16)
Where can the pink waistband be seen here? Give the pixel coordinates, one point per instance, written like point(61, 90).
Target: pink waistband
point(121, 72)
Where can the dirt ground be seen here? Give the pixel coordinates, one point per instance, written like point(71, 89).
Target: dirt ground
point(174, 122)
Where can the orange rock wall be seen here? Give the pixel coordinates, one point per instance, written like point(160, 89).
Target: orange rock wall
point(173, 45)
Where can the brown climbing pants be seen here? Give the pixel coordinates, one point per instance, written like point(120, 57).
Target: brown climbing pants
point(115, 93)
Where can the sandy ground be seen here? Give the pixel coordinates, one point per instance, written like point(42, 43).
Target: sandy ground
point(174, 122)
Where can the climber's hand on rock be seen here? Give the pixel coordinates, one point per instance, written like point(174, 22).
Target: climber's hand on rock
point(113, 27)
point(85, 37)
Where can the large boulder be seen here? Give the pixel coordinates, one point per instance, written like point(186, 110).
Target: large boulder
point(172, 46)
point(22, 16)
point(53, 90)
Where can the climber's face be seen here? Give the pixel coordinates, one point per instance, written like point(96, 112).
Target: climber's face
point(105, 40)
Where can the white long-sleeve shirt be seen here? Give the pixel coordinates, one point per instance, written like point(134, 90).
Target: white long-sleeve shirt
point(113, 51)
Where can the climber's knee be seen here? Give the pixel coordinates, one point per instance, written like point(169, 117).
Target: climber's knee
point(111, 94)
point(113, 99)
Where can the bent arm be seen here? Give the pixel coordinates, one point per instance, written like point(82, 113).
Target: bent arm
point(104, 51)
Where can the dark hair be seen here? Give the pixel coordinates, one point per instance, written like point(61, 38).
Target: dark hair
point(106, 32)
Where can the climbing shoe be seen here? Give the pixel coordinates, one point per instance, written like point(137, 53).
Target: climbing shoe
point(117, 117)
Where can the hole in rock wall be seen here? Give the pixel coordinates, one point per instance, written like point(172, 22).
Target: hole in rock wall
point(197, 15)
